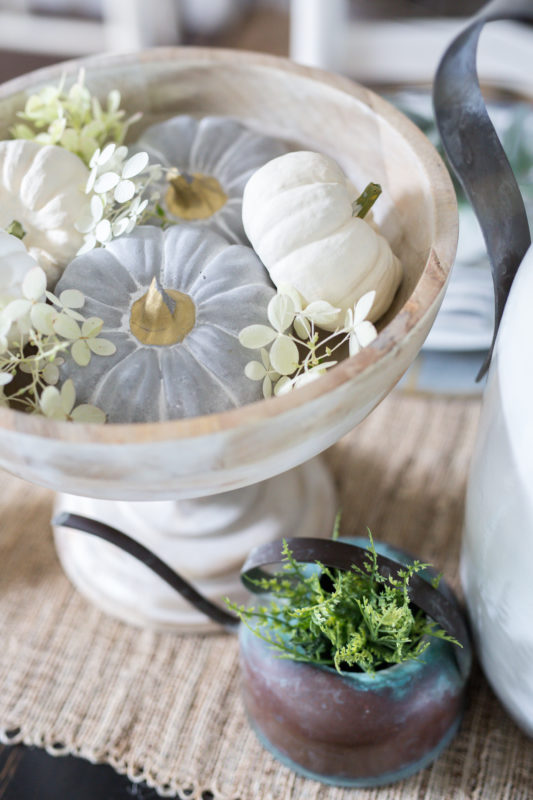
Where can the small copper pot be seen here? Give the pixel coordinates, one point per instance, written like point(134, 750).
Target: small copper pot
point(351, 728)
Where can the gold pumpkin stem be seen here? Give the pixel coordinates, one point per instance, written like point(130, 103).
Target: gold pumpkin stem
point(195, 196)
point(162, 317)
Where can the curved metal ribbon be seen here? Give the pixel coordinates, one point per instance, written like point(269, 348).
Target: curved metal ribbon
point(445, 611)
point(476, 155)
point(153, 562)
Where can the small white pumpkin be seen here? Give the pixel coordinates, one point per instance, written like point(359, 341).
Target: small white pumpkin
point(207, 163)
point(42, 187)
point(15, 264)
point(173, 303)
point(298, 214)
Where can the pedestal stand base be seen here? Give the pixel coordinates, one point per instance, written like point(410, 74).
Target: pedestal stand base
point(206, 540)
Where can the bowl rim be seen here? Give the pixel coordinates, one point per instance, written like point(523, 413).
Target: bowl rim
point(426, 291)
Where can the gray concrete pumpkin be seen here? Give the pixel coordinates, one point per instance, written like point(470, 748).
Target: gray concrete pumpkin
point(207, 164)
point(173, 303)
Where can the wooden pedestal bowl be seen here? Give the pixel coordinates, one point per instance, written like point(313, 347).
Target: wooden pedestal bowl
point(201, 456)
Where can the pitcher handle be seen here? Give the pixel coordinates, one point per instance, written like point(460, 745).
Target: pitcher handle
point(477, 156)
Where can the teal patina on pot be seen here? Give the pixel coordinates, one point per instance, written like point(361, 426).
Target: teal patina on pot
point(343, 728)
point(352, 728)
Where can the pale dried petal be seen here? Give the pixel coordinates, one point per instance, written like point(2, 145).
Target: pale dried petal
point(353, 344)
point(106, 154)
point(68, 396)
point(89, 186)
point(312, 374)
point(42, 318)
point(15, 310)
point(94, 158)
point(103, 231)
point(348, 320)
point(284, 355)
point(135, 164)
point(88, 245)
point(267, 387)
point(50, 374)
point(97, 208)
point(106, 182)
point(5, 378)
point(363, 306)
point(74, 314)
point(283, 386)
point(66, 327)
point(366, 333)
point(124, 191)
point(80, 352)
point(92, 326)
point(281, 312)
point(119, 227)
point(256, 336)
point(265, 358)
point(34, 284)
point(322, 313)
point(88, 414)
point(255, 371)
point(101, 347)
point(72, 298)
point(294, 294)
point(50, 403)
point(302, 328)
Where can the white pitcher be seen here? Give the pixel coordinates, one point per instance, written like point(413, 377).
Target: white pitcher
point(497, 555)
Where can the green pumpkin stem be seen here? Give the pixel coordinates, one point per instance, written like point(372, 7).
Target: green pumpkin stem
point(16, 229)
point(366, 200)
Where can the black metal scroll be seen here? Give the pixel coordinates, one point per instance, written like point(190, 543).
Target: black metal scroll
point(476, 155)
point(153, 562)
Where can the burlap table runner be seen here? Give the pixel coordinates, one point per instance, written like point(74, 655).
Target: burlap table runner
point(166, 708)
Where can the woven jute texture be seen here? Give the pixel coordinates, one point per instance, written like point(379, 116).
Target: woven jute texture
point(167, 708)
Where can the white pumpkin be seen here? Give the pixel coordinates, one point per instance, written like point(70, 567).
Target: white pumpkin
point(298, 215)
point(173, 303)
point(215, 156)
point(15, 263)
point(42, 187)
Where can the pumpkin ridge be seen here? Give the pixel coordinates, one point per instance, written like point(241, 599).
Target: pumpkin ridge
point(200, 153)
point(203, 305)
point(221, 226)
point(110, 371)
point(229, 154)
point(209, 323)
point(212, 375)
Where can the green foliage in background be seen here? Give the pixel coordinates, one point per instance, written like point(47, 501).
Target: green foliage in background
point(72, 118)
